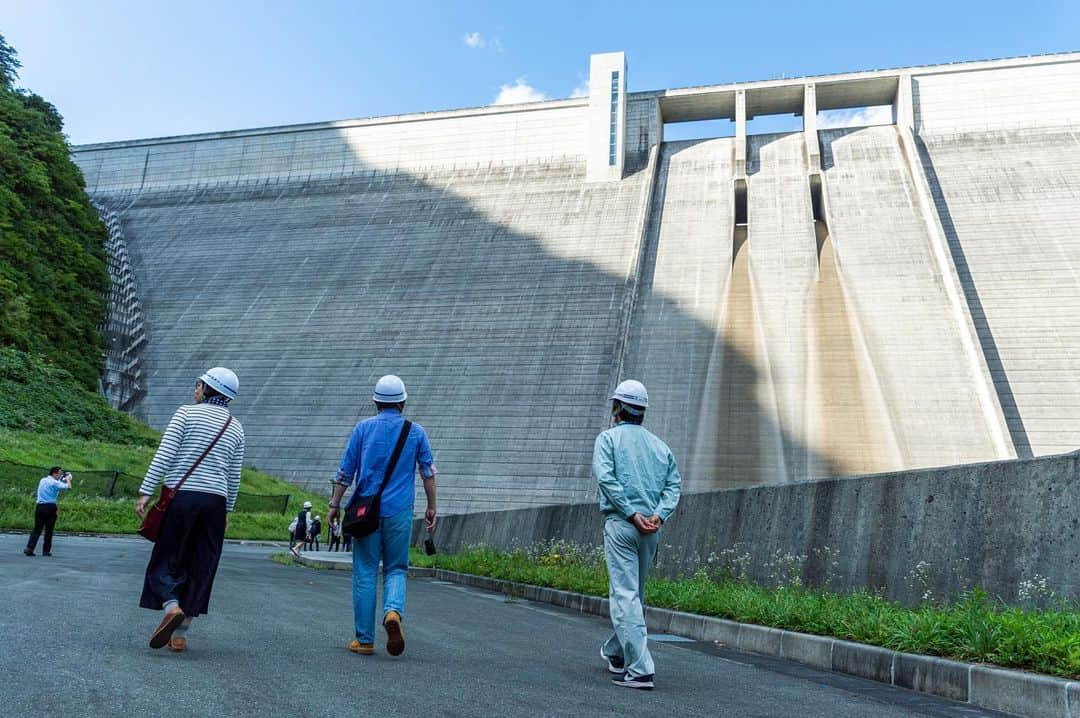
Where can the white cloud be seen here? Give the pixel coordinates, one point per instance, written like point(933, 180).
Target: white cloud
point(856, 117)
point(475, 40)
point(582, 90)
point(521, 91)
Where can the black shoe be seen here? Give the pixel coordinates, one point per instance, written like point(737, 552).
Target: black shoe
point(47, 553)
point(28, 552)
point(640, 682)
point(614, 665)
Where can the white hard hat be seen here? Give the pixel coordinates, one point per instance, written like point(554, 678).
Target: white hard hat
point(221, 380)
point(389, 390)
point(307, 504)
point(633, 393)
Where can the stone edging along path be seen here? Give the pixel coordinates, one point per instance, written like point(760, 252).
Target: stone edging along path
point(1024, 694)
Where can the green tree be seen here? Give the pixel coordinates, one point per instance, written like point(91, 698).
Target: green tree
point(53, 276)
point(9, 64)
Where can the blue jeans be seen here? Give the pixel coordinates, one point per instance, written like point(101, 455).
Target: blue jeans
point(391, 543)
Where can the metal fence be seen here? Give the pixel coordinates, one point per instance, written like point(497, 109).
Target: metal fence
point(117, 485)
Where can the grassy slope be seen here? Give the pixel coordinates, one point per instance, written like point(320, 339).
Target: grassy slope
point(45, 450)
point(37, 396)
point(117, 516)
point(98, 515)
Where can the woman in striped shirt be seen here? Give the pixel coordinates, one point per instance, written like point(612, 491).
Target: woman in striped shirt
point(185, 558)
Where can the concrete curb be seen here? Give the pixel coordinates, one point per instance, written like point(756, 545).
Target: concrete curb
point(1031, 695)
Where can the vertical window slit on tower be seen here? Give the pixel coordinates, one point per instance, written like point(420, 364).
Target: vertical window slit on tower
point(613, 137)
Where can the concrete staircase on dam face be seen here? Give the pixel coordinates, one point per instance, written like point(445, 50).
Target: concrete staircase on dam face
point(494, 293)
point(1009, 202)
point(806, 349)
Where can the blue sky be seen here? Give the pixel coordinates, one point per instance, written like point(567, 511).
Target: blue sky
point(120, 70)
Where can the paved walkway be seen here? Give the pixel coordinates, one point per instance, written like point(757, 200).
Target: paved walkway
point(73, 642)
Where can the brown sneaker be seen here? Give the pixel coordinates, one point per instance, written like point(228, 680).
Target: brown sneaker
point(165, 629)
point(364, 649)
point(177, 644)
point(395, 637)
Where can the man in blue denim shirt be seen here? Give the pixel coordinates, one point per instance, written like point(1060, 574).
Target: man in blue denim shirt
point(366, 458)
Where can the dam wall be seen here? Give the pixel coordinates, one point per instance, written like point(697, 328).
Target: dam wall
point(800, 305)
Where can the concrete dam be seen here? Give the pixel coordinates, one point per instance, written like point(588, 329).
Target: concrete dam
point(808, 304)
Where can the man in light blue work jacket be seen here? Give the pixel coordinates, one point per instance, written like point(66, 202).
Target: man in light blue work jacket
point(638, 489)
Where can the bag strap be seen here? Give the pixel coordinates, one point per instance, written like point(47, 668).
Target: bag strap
point(402, 437)
point(204, 453)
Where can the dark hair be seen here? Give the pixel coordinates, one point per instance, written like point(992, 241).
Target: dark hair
point(54, 470)
point(623, 415)
point(209, 392)
point(399, 405)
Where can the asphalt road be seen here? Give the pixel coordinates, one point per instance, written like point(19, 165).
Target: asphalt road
point(73, 642)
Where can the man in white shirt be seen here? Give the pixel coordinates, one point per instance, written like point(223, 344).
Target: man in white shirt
point(48, 490)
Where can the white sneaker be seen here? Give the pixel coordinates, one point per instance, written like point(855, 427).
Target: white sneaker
point(639, 682)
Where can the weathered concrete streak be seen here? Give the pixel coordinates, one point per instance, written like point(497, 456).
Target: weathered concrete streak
point(989, 525)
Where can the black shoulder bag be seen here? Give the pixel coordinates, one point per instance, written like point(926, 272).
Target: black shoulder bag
point(362, 513)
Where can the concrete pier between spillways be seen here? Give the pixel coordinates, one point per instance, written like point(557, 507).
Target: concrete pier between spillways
point(990, 525)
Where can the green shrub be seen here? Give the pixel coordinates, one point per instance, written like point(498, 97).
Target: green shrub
point(38, 396)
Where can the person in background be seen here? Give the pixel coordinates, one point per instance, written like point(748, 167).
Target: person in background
point(316, 532)
point(639, 487)
point(300, 533)
point(48, 491)
point(366, 458)
point(205, 443)
point(333, 534)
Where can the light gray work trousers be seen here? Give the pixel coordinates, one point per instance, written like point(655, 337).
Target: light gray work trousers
point(629, 555)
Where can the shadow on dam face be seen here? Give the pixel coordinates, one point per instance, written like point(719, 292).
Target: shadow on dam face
point(502, 317)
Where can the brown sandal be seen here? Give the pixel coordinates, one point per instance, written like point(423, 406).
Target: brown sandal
point(165, 629)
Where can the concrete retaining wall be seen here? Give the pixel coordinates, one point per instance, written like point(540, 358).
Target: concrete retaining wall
point(991, 525)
